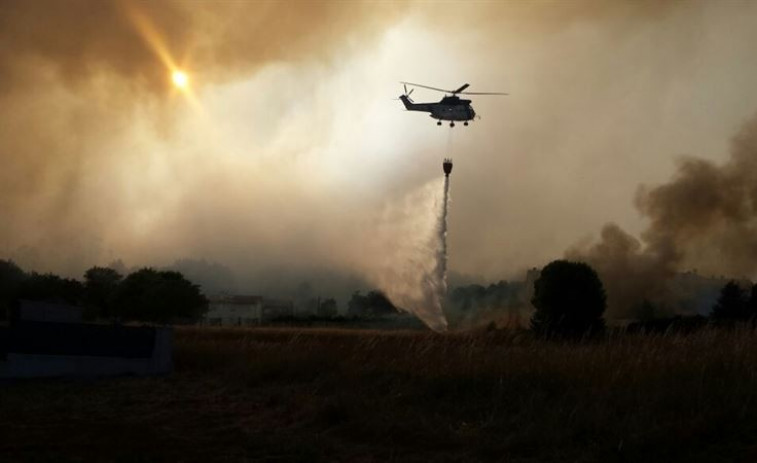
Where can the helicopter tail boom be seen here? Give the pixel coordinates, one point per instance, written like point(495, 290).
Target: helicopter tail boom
point(410, 106)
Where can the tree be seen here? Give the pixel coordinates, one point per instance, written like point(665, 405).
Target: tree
point(11, 278)
point(751, 305)
point(100, 285)
point(158, 296)
point(51, 288)
point(732, 304)
point(569, 299)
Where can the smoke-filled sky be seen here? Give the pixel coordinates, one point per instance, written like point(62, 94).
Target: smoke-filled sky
point(286, 156)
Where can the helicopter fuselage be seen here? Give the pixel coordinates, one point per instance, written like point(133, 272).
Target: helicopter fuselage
point(450, 108)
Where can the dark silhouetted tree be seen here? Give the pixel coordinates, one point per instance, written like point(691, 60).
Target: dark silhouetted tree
point(752, 304)
point(154, 296)
point(51, 288)
point(569, 299)
point(100, 285)
point(732, 305)
point(11, 278)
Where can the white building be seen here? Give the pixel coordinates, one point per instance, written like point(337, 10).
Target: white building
point(234, 311)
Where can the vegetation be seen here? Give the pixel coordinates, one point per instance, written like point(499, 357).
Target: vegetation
point(475, 304)
point(316, 395)
point(100, 284)
point(145, 295)
point(158, 296)
point(328, 308)
point(734, 305)
point(373, 304)
point(670, 390)
point(569, 299)
point(50, 287)
point(11, 277)
point(500, 295)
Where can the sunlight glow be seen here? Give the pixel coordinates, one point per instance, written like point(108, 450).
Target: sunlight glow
point(180, 79)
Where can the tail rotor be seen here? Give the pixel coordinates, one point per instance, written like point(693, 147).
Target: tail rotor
point(407, 94)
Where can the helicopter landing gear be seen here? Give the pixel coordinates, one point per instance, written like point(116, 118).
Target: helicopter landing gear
point(465, 123)
point(438, 122)
point(451, 124)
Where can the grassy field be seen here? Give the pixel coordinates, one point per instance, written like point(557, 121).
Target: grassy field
point(337, 395)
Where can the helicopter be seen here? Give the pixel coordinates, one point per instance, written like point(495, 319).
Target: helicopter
point(451, 108)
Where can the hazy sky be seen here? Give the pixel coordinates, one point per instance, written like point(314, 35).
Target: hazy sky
point(288, 156)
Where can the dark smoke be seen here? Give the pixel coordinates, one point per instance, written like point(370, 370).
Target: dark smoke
point(630, 272)
point(704, 218)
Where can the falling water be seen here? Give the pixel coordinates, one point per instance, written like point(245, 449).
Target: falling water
point(435, 282)
point(408, 239)
point(441, 254)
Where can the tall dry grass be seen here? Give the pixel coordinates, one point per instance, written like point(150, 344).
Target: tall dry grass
point(339, 395)
point(497, 395)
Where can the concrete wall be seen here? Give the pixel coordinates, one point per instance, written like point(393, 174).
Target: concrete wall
point(39, 311)
point(32, 364)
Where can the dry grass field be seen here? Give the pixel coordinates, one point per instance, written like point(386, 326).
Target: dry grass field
point(279, 395)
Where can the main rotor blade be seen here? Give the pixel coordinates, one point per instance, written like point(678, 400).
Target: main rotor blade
point(483, 93)
point(426, 86)
point(461, 89)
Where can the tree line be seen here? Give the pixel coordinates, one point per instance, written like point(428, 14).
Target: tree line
point(570, 301)
point(569, 298)
point(145, 295)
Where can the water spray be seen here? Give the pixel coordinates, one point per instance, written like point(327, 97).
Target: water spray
point(441, 258)
point(414, 276)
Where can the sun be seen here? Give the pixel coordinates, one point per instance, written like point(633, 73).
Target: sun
point(180, 79)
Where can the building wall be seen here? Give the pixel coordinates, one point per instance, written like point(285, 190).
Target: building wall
point(234, 314)
point(40, 311)
point(29, 363)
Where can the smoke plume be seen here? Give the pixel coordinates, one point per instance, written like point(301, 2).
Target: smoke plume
point(704, 218)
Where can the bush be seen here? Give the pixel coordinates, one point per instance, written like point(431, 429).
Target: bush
point(569, 299)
